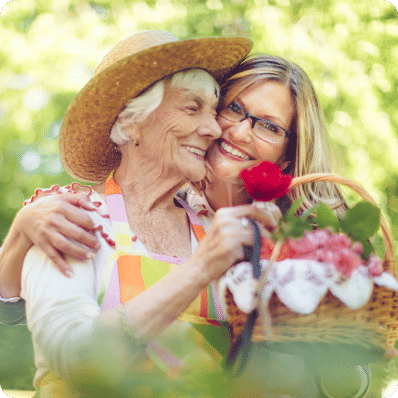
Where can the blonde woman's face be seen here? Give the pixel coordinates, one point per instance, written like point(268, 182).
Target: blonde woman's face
point(238, 148)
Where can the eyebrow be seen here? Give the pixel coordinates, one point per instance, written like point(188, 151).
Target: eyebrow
point(200, 100)
point(271, 118)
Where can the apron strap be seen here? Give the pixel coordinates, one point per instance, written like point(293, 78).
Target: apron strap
point(196, 225)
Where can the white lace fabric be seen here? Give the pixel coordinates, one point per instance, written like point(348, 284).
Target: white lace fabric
point(301, 284)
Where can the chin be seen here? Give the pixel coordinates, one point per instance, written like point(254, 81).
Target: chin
point(227, 169)
point(195, 176)
point(225, 174)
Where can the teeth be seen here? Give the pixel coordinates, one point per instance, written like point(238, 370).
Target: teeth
point(196, 151)
point(233, 151)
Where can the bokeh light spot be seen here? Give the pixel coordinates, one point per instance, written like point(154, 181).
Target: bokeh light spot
point(30, 161)
point(36, 99)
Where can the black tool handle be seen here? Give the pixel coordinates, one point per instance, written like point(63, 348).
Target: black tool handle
point(239, 352)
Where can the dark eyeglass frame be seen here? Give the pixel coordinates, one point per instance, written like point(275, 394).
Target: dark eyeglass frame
point(254, 119)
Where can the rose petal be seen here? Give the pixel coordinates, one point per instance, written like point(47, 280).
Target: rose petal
point(265, 181)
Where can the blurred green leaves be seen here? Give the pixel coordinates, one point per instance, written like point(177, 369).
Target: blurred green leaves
point(349, 48)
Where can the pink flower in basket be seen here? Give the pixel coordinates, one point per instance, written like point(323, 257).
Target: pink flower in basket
point(310, 241)
point(375, 265)
point(346, 261)
point(323, 246)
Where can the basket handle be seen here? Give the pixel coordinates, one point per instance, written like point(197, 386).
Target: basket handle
point(389, 256)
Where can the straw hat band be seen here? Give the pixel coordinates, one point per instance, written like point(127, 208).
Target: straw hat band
point(86, 150)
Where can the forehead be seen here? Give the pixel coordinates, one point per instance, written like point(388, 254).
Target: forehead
point(178, 95)
point(269, 99)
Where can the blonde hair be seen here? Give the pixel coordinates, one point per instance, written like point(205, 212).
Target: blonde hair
point(309, 148)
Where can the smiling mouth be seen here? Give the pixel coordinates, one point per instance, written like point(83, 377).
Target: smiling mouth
point(196, 151)
point(233, 151)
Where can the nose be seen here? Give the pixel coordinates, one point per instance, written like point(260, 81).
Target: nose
point(242, 131)
point(209, 128)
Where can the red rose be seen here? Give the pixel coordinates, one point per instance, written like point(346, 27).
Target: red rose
point(265, 181)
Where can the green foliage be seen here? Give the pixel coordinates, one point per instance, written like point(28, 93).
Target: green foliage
point(325, 218)
point(360, 222)
point(349, 49)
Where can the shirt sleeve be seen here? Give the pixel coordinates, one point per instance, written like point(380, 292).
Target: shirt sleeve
point(12, 310)
point(60, 311)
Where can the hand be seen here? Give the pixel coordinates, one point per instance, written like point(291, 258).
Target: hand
point(51, 224)
point(229, 233)
point(272, 211)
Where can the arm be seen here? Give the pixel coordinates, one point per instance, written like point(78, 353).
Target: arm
point(12, 311)
point(49, 224)
point(64, 317)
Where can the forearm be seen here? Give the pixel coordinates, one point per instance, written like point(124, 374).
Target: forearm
point(153, 310)
point(14, 250)
point(68, 328)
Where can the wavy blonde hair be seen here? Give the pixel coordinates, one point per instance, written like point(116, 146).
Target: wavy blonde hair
point(309, 148)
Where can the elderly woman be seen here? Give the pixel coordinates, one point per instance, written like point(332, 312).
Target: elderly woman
point(287, 128)
point(150, 258)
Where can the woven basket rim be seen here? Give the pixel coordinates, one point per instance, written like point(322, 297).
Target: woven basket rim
point(389, 263)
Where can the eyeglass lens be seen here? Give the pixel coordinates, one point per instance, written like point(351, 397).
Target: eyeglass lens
point(262, 128)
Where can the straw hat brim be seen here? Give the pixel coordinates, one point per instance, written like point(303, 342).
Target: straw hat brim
point(86, 150)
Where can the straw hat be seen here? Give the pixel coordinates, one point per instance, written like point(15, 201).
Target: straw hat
point(130, 67)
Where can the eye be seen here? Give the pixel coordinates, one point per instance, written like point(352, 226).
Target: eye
point(234, 107)
point(270, 127)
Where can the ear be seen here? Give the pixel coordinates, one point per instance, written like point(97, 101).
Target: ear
point(130, 128)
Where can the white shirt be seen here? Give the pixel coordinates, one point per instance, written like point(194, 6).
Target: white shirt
point(61, 312)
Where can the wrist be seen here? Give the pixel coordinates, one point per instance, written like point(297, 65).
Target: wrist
point(198, 272)
point(12, 256)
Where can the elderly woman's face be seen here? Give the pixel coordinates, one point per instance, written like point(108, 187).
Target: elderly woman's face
point(239, 148)
point(179, 132)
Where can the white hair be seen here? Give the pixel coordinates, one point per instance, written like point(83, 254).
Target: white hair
point(139, 108)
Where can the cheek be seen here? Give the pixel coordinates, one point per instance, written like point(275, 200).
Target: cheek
point(270, 152)
point(224, 124)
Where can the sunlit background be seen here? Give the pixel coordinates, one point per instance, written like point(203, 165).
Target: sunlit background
point(50, 48)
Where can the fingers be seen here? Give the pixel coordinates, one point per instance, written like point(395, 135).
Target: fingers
point(75, 224)
point(80, 200)
point(73, 207)
point(62, 226)
point(271, 209)
point(58, 260)
point(265, 213)
point(69, 243)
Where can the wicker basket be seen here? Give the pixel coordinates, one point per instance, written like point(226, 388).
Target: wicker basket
point(374, 325)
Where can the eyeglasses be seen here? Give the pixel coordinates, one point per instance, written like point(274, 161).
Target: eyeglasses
point(262, 128)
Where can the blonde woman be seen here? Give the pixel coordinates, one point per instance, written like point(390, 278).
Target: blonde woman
point(307, 149)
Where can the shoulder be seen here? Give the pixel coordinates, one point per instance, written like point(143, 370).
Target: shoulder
point(100, 216)
point(54, 190)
